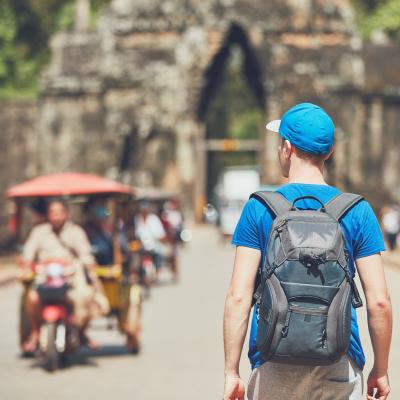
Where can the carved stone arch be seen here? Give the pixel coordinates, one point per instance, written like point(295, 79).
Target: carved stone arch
point(211, 76)
point(252, 72)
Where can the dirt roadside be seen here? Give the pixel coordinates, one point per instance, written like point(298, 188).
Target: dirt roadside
point(8, 269)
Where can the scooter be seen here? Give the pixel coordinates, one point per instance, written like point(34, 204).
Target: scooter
point(58, 336)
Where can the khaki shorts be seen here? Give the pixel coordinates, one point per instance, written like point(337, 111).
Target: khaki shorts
point(340, 381)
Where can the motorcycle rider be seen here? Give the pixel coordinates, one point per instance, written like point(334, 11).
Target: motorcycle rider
point(150, 231)
point(172, 220)
point(60, 238)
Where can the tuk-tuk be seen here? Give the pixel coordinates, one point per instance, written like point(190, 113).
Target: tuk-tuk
point(118, 280)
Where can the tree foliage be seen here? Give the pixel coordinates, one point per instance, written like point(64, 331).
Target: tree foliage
point(379, 15)
point(25, 30)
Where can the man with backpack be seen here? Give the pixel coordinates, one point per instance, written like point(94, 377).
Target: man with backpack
point(297, 250)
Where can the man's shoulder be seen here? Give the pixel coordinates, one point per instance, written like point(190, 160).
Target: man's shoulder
point(72, 227)
point(362, 210)
point(40, 229)
point(255, 209)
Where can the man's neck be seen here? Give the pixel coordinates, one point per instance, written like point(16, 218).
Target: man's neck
point(58, 230)
point(306, 173)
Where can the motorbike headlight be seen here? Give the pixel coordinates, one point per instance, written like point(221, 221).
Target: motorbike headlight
point(54, 270)
point(186, 235)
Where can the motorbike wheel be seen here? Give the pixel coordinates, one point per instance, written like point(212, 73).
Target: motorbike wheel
point(52, 356)
point(131, 319)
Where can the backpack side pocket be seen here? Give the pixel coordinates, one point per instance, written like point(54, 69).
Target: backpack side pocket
point(267, 317)
point(339, 322)
point(272, 311)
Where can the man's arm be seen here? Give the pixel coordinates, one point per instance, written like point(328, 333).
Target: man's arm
point(30, 248)
point(157, 228)
point(236, 317)
point(379, 312)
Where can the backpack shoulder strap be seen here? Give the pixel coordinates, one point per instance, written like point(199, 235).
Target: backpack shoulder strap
point(274, 201)
point(341, 204)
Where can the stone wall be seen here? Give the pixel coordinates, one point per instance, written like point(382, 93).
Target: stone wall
point(128, 100)
point(19, 143)
point(146, 76)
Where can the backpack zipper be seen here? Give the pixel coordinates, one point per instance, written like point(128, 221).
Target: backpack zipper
point(306, 310)
point(324, 338)
point(340, 333)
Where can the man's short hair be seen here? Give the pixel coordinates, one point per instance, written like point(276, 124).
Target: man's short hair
point(313, 158)
point(58, 200)
point(303, 155)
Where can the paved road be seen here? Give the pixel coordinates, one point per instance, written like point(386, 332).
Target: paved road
point(182, 354)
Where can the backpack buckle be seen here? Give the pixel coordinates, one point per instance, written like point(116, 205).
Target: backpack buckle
point(269, 272)
point(312, 259)
point(356, 299)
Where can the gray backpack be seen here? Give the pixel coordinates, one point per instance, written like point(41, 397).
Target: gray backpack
point(305, 288)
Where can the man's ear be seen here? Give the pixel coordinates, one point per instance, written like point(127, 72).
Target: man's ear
point(288, 148)
point(328, 155)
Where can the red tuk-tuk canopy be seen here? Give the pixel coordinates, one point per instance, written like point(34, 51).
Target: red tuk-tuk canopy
point(67, 184)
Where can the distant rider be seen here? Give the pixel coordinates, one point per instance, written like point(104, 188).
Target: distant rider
point(149, 230)
point(172, 220)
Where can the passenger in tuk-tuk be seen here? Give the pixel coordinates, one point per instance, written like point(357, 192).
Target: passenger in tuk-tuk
point(111, 250)
point(60, 238)
point(101, 235)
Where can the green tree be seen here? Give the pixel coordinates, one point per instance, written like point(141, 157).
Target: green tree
point(383, 15)
point(26, 27)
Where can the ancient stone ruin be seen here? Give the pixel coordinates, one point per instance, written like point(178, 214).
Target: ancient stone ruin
point(128, 100)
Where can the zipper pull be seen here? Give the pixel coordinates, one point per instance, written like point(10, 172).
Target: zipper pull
point(324, 338)
point(285, 328)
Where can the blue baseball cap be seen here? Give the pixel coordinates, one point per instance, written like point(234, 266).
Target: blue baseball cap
point(307, 126)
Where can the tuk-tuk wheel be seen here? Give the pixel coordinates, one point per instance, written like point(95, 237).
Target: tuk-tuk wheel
point(132, 343)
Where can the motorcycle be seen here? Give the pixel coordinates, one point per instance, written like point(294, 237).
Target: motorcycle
point(149, 268)
point(58, 336)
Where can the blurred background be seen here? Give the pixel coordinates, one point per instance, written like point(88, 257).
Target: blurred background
point(170, 98)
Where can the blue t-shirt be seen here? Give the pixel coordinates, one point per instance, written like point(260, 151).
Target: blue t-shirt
point(360, 227)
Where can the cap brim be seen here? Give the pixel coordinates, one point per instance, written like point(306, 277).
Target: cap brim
point(274, 125)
